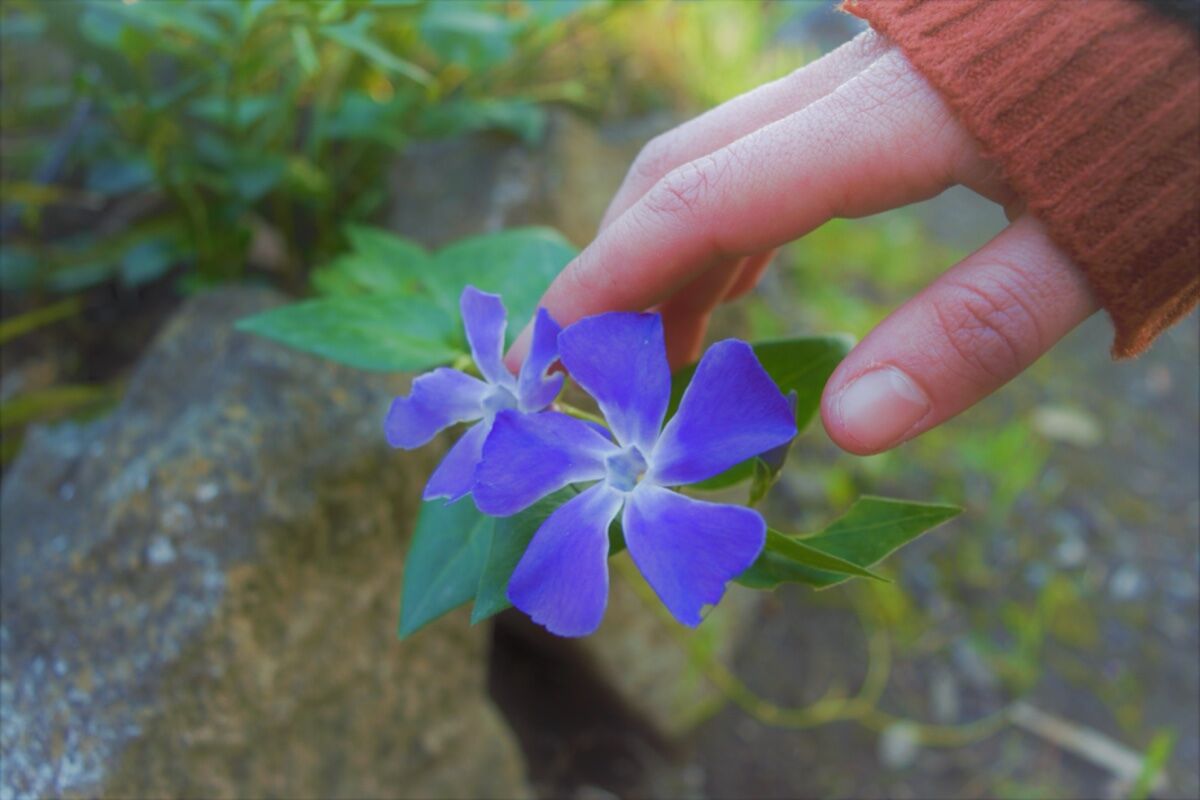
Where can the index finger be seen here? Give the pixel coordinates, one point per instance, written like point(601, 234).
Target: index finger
point(741, 116)
point(882, 139)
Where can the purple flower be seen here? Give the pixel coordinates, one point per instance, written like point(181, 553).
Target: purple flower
point(446, 396)
point(776, 456)
point(687, 549)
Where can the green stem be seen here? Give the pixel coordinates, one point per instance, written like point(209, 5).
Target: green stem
point(579, 413)
point(22, 324)
point(862, 708)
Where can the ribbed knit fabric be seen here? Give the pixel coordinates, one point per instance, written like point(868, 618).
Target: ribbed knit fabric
point(1092, 111)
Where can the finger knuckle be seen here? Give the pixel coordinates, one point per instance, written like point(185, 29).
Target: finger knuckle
point(686, 191)
point(989, 328)
point(885, 84)
point(860, 52)
point(891, 91)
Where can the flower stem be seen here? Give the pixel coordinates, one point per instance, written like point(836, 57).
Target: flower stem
point(579, 413)
point(464, 363)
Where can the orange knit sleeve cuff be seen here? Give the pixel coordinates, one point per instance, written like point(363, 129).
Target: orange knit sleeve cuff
point(1092, 112)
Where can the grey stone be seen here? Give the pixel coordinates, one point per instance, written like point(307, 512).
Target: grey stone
point(899, 746)
point(481, 183)
point(199, 592)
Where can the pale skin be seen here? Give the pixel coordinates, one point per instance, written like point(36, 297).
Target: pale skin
point(858, 132)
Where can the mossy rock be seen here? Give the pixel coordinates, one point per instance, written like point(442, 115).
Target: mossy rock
point(200, 591)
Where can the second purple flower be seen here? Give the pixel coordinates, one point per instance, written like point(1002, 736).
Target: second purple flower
point(445, 396)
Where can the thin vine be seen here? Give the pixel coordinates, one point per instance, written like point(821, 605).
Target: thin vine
point(862, 708)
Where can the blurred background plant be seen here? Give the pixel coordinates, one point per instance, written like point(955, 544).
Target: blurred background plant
point(144, 135)
point(154, 148)
point(236, 134)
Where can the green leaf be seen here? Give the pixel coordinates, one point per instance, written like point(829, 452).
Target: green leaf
point(375, 333)
point(27, 25)
point(547, 12)
point(763, 478)
point(147, 260)
point(522, 118)
point(117, 176)
point(355, 36)
point(872, 529)
point(335, 280)
point(306, 54)
point(517, 264)
point(82, 275)
point(330, 11)
point(372, 318)
point(510, 539)
point(26, 322)
point(359, 117)
point(102, 26)
point(55, 402)
point(253, 179)
point(240, 112)
point(251, 12)
point(798, 552)
point(444, 561)
point(381, 263)
point(383, 244)
point(801, 365)
point(352, 274)
point(18, 268)
point(193, 20)
point(460, 34)
point(1158, 753)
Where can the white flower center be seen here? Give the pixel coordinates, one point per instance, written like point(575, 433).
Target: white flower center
point(497, 400)
point(625, 469)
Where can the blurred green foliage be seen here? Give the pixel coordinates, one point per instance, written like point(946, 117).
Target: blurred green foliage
point(229, 131)
point(144, 134)
point(694, 55)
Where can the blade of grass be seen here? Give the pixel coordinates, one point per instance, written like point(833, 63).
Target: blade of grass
point(30, 321)
point(55, 402)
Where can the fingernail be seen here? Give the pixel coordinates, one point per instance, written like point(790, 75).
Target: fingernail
point(880, 407)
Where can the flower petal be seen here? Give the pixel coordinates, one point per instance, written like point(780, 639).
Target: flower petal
point(562, 580)
point(455, 476)
point(528, 456)
point(776, 456)
point(536, 390)
point(621, 360)
point(689, 549)
point(438, 400)
point(484, 319)
point(732, 410)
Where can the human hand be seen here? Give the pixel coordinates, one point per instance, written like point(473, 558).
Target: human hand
point(856, 133)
